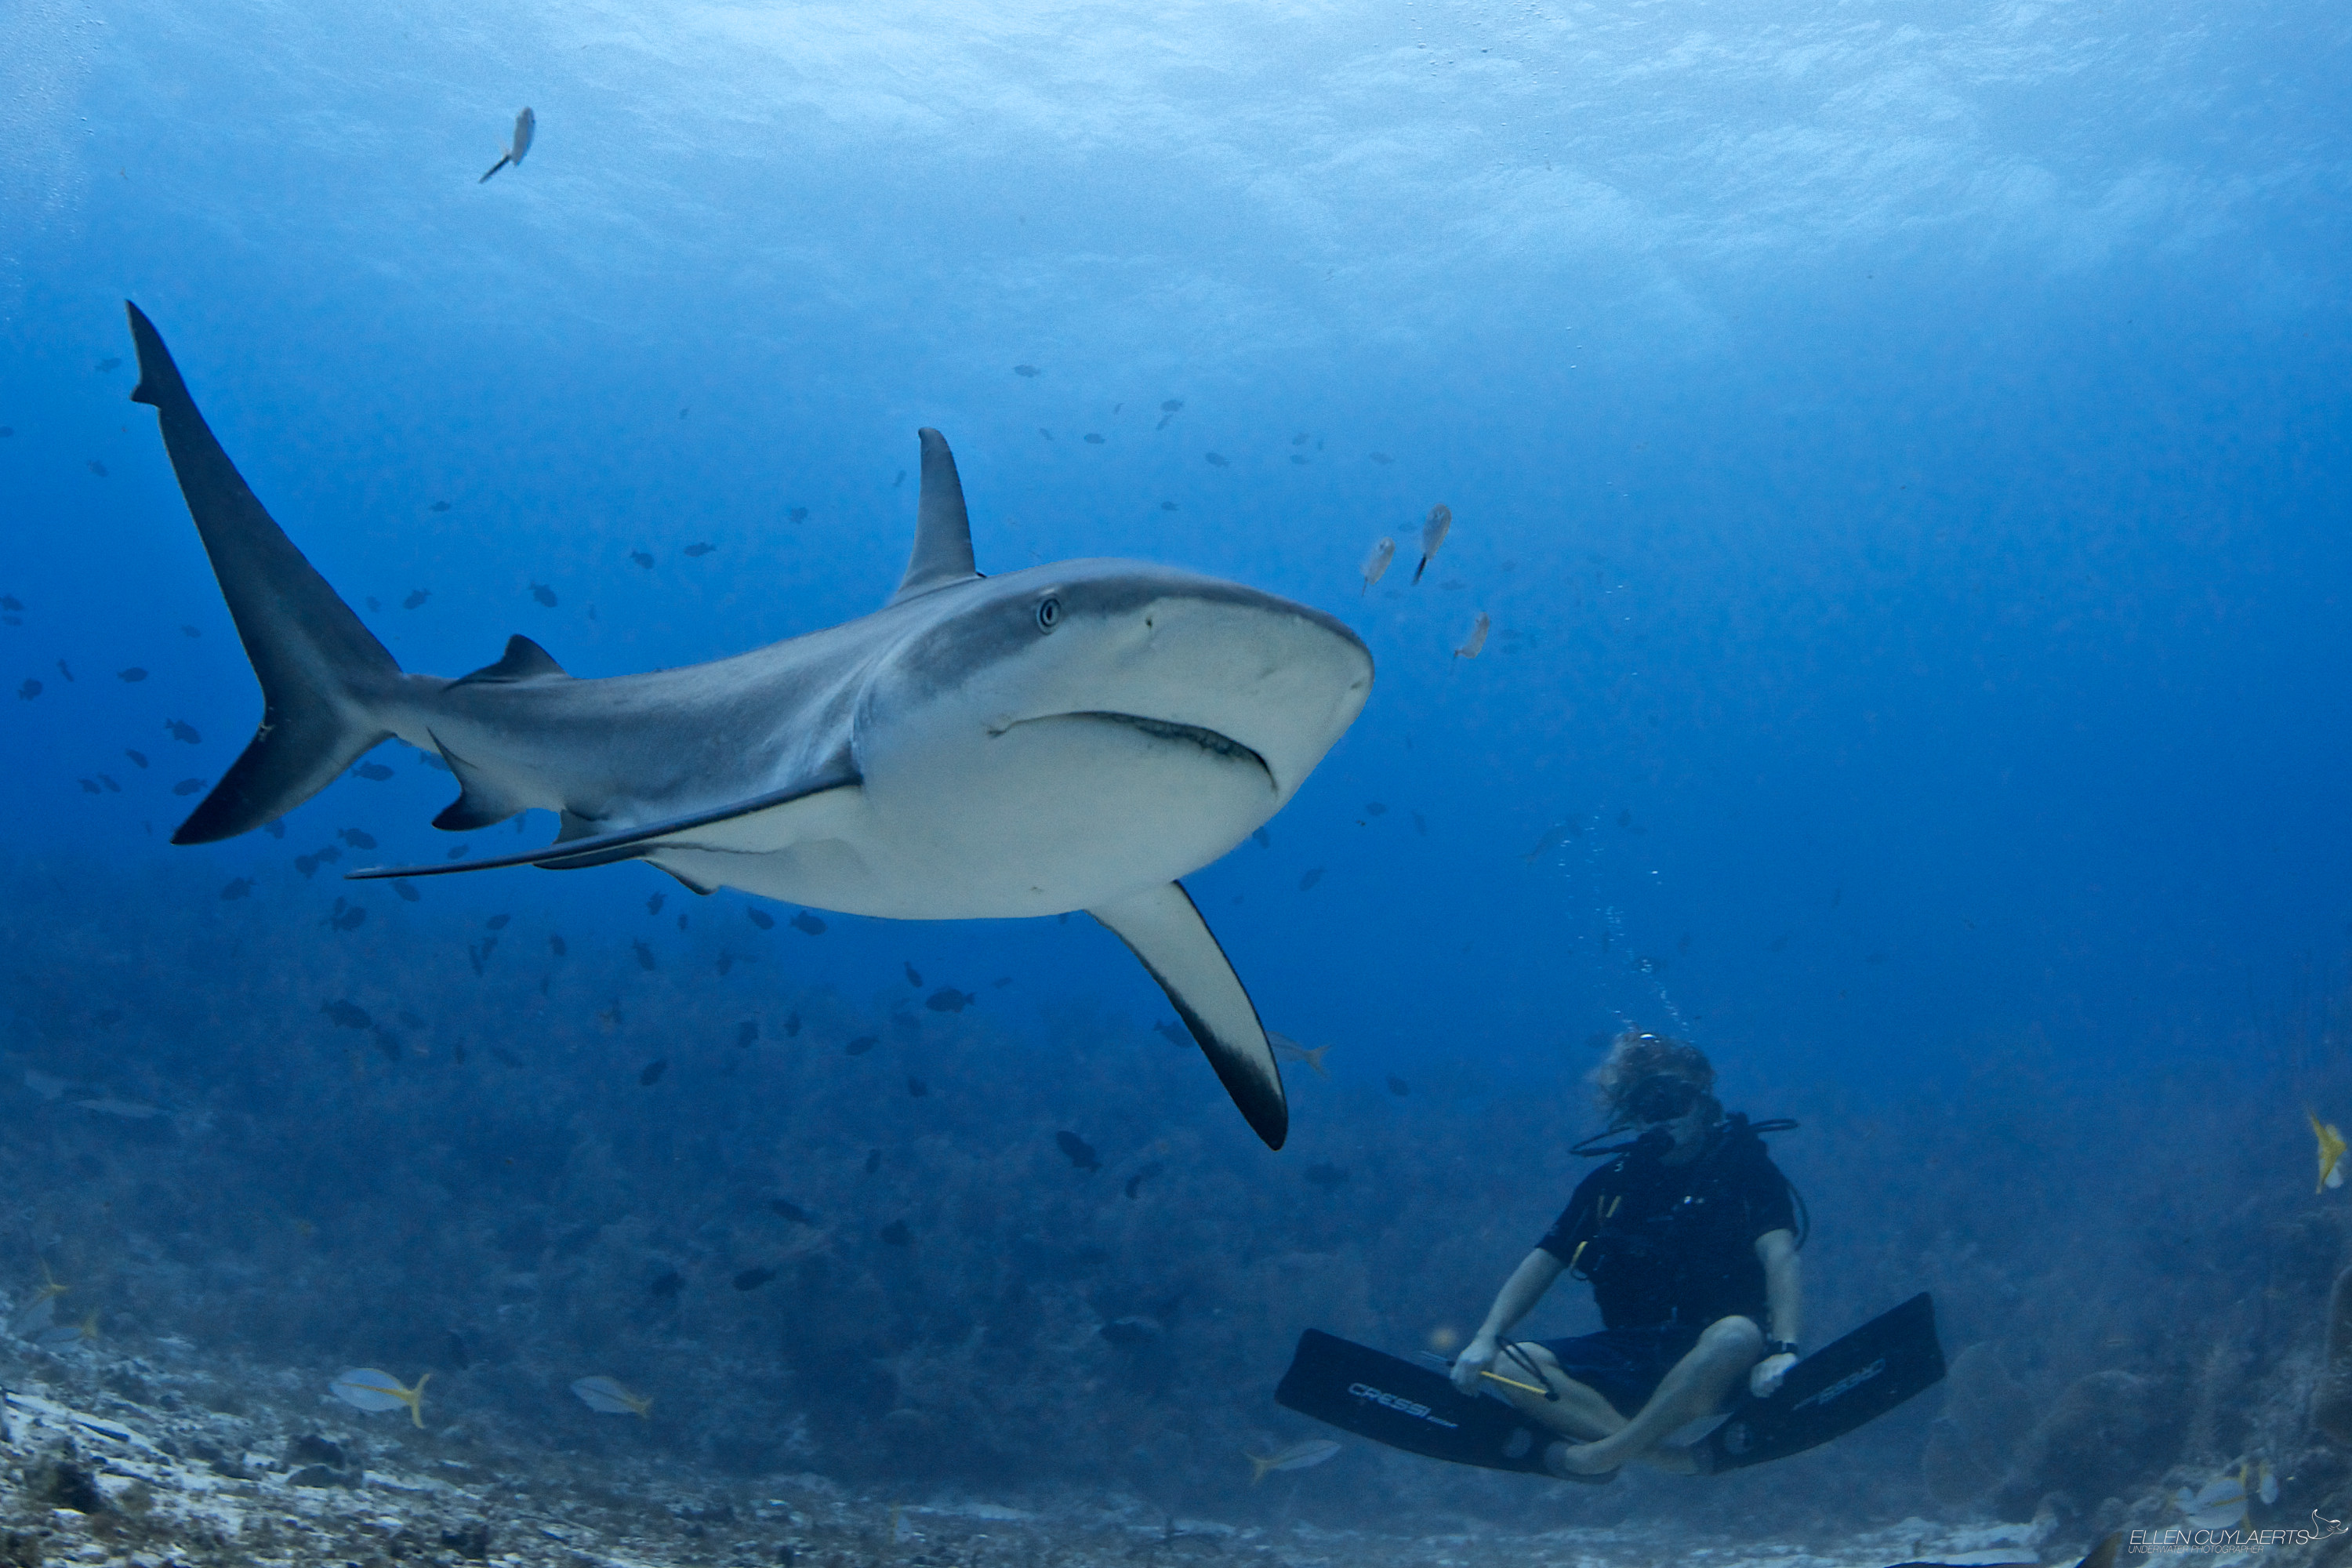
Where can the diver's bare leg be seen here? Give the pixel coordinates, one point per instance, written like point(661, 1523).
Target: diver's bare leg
point(1696, 1386)
point(1578, 1414)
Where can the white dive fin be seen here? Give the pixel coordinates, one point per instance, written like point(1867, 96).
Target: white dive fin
point(1162, 928)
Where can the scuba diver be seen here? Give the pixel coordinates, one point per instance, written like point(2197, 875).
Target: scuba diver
point(1689, 1238)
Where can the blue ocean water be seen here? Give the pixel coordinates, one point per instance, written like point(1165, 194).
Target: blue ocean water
point(1903, 450)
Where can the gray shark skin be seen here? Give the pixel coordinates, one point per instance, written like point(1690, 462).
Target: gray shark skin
point(1076, 736)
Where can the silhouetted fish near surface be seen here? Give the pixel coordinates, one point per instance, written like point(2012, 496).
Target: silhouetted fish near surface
point(416, 598)
point(109, 362)
point(1310, 878)
point(1397, 1086)
point(238, 888)
point(747, 1031)
point(1144, 1174)
point(1173, 1033)
point(653, 904)
point(644, 955)
point(134, 674)
point(861, 1045)
point(809, 923)
point(436, 506)
point(1433, 534)
point(347, 1014)
point(791, 1211)
point(914, 976)
point(917, 1088)
point(668, 1285)
point(97, 467)
point(948, 999)
point(699, 548)
point(752, 1279)
point(1381, 457)
point(555, 945)
point(543, 593)
point(762, 919)
point(1080, 1153)
point(1214, 460)
point(1026, 371)
point(873, 1160)
point(407, 891)
point(1376, 563)
point(181, 731)
point(897, 1234)
point(792, 1026)
point(30, 689)
point(138, 759)
point(187, 787)
point(652, 1073)
point(375, 772)
point(526, 126)
point(357, 838)
point(1327, 1175)
point(497, 922)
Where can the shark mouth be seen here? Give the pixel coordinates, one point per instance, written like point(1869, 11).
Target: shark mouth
point(1209, 741)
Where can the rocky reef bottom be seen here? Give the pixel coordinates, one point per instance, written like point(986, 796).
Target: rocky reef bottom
point(96, 1477)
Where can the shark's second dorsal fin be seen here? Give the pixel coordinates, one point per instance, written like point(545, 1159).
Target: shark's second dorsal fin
point(943, 553)
point(523, 660)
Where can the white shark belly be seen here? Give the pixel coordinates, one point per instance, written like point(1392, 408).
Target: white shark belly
point(1047, 817)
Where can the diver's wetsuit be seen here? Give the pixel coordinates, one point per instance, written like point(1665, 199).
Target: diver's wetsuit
point(1668, 1249)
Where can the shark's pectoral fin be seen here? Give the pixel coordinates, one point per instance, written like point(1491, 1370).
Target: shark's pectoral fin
point(1162, 928)
point(630, 843)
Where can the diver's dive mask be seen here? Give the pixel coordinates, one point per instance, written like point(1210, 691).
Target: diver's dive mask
point(1661, 1097)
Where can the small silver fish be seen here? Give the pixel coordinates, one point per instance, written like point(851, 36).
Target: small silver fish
point(526, 124)
point(1433, 534)
point(1377, 563)
point(1298, 1457)
point(1475, 640)
point(1285, 1046)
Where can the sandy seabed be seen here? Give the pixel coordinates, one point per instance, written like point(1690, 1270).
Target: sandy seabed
point(290, 1477)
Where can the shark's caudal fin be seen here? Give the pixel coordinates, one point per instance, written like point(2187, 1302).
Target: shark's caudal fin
point(323, 675)
point(1163, 929)
point(943, 553)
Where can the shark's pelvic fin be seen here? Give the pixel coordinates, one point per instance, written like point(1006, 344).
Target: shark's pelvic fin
point(324, 676)
point(523, 660)
point(626, 844)
point(479, 803)
point(1163, 929)
point(943, 553)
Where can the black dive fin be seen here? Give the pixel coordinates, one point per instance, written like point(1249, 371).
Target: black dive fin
point(523, 660)
point(942, 551)
point(324, 676)
point(1163, 929)
point(1834, 1390)
point(1416, 1408)
point(626, 844)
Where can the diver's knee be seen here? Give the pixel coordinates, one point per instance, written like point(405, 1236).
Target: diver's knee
point(1735, 1335)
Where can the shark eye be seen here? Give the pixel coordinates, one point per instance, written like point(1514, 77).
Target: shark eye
point(1049, 614)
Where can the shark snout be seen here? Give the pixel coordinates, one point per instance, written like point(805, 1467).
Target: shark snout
point(1277, 677)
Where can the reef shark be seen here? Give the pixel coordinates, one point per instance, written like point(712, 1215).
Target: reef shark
point(1075, 736)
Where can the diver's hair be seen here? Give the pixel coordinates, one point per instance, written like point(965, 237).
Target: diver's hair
point(1636, 1056)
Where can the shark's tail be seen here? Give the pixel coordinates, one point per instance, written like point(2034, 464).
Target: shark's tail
point(325, 680)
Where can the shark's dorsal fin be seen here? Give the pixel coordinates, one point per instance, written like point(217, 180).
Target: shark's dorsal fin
point(523, 660)
point(943, 553)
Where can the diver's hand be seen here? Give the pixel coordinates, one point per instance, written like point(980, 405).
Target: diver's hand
point(1476, 1358)
point(1767, 1375)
